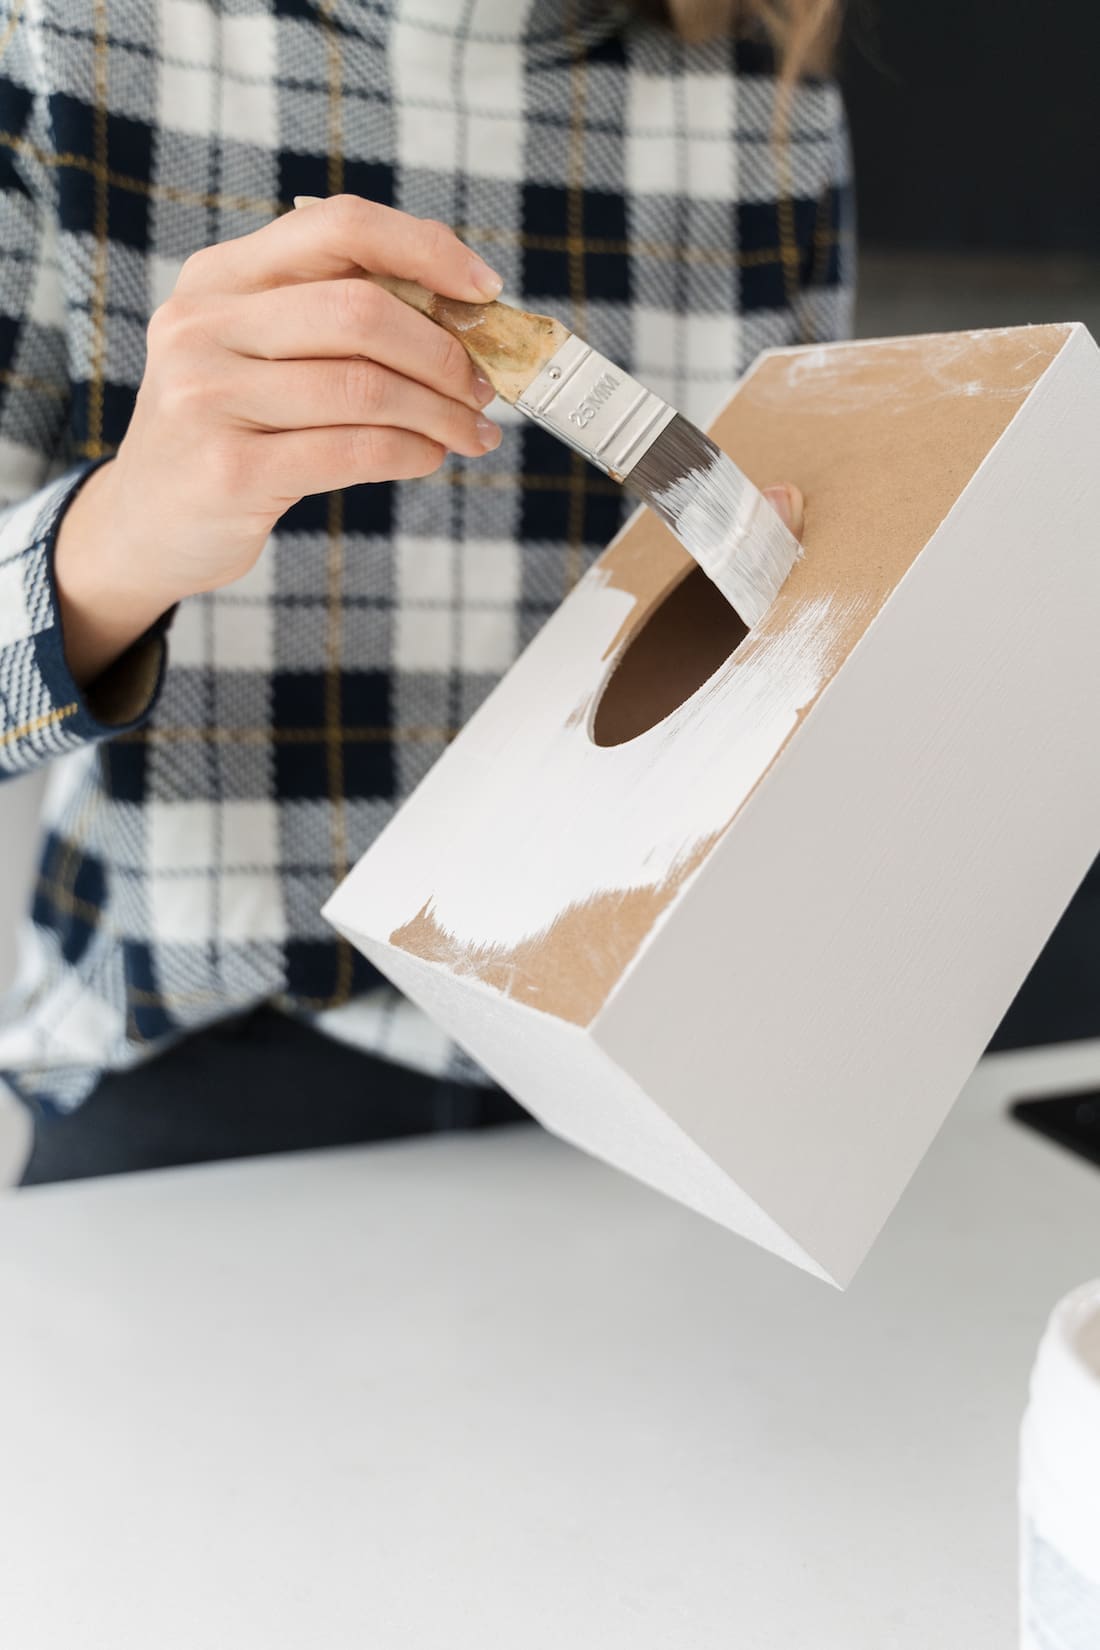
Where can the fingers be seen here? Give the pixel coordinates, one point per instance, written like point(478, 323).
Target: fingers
point(346, 317)
point(297, 395)
point(787, 501)
point(334, 237)
point(318, 461)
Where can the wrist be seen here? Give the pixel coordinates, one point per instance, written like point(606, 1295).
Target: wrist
point(106, 600)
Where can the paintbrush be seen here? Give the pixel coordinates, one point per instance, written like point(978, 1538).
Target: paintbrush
point(630, 433)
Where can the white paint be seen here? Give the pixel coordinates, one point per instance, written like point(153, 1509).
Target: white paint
point(821, 377)
point(590, 817)
point(809, 1005)
point(729, 527)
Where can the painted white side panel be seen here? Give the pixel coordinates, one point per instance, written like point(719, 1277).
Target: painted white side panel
point(575, 1090)
point(896, 873)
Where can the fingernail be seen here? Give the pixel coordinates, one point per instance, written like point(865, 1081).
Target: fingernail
point(307, 200)
point(483, 390)
point(486, 280)
point(488, 434)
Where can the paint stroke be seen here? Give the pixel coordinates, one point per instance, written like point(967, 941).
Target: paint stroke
point(545, 910)
point(905, 373)
point(567, 970)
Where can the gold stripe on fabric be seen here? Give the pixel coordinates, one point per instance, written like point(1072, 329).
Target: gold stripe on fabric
point(267, 206)
point(160, 735)
point(788, 238)
point(334, 733)
point(72, 856)
point(13, 24)
point(578, 294)
point(37, 386)
point(99, 267)
point(37, 723)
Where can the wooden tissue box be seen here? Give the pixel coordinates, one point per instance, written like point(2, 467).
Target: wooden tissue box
point(738, 913)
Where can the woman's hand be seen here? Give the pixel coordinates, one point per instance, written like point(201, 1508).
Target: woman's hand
point(272, 372)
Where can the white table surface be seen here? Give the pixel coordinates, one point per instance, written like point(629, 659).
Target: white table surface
point(482, 1393)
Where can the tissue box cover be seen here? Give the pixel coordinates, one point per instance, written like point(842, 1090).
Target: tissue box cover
point(739, 912)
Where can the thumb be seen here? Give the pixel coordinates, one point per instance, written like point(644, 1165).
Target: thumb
point(788, 503)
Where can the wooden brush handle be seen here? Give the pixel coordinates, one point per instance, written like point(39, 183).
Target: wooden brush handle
point(510, 346)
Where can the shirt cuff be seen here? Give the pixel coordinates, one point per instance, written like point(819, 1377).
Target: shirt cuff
point(46, 713)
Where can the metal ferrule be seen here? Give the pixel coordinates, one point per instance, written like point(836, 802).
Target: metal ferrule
point(589, 402)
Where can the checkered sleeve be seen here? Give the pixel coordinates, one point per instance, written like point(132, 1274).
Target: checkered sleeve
point(42, 711)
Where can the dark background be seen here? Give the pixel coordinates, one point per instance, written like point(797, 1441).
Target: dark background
point(976, 138)
point(974, 123)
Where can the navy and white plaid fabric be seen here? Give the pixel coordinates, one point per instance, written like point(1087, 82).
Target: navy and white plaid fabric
point(617, 178)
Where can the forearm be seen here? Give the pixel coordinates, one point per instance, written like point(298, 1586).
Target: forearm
point(105, 603)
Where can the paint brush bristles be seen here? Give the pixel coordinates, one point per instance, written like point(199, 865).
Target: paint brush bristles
point(718, 515)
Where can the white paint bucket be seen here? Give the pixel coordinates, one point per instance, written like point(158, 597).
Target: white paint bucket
point(1060, 1482)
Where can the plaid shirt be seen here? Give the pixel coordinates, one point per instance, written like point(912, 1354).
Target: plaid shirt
point(618, 179)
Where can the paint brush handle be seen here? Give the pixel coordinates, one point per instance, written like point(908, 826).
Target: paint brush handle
point(510, 346)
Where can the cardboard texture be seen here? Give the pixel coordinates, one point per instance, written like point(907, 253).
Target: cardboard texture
point(739, 911)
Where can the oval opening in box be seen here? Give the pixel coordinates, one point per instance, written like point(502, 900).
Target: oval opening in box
point(688, 636)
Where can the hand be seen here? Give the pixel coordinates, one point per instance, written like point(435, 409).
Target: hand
point(272, 372)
